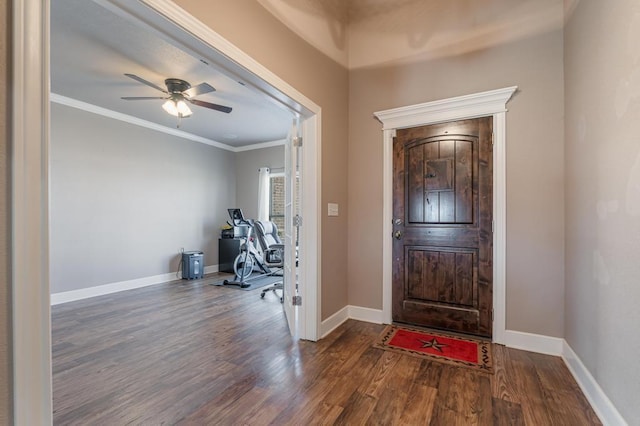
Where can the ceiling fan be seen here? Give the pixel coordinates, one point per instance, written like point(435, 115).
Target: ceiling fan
point(178, 92)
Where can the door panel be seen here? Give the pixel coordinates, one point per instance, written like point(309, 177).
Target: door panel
point(292, 209)
point(442, 266)
point(441, 275)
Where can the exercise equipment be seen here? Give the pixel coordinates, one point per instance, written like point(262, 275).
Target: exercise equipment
point(249, 257)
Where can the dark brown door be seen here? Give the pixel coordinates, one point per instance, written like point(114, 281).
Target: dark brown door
point(442, 226)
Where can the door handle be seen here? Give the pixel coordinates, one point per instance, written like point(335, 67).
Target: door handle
point(397, 235)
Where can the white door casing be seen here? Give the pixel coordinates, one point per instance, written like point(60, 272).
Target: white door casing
point(484, 104)
point(290, 272)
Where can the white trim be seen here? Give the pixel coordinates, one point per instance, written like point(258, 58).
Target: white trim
point(104, 289)
point(358, 313)
point(30, 214)
point(467, 106)
point(261, 145)
point(387, 226)
point(533, 342)
point(600, 402)
point(310, 274)
point(84, 106)
point(366, 314)
point(491, 103)
point(500, 226)
point(211, 269)
point(334, 321)
point(94, 109)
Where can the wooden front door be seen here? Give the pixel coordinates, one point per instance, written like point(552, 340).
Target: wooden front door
point(442, 226)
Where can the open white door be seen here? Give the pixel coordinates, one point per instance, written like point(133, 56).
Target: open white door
point(291, 227)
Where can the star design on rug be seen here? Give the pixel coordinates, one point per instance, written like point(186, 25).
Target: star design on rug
point(433, 344)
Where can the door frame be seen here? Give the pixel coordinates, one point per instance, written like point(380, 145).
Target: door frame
point(483, 104)
point(30, 118)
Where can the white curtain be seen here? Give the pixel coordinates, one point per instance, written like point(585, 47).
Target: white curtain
point(263, 194)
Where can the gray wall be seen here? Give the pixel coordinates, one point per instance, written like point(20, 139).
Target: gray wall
point(247, 165)
point(602, 93)
point(125, 199)
point(535, 192)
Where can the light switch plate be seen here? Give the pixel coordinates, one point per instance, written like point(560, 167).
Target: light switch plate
point(332, 209)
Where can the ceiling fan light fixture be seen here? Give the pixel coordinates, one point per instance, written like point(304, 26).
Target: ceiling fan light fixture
point(183, 108)
point(180, 93)
point(177, 108)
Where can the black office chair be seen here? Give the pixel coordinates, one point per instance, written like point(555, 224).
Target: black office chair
point(272, 252)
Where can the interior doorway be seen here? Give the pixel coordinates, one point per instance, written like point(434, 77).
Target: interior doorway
point(30, 123)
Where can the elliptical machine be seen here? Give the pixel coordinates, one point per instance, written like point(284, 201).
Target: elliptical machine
point(249, 257)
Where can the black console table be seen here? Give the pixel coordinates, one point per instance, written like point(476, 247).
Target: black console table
point(228, 249)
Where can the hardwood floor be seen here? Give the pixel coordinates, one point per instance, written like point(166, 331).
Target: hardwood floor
point(191, 353)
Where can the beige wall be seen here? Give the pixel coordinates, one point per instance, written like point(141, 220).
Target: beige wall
point(602, 91)
point(364, 33)
point(321, 23)
point(535, 292)
point(258, 33)
point(5, 293)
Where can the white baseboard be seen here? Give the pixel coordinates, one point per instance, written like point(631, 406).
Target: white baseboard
point(365, 314)
point(599, 401)
point(601, 404)
point(350, 312)
point(333, 322)
point(533, 342)
point(210, 269)
point(101, 290)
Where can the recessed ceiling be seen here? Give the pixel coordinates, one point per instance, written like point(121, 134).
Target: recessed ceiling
point(92, 48)
point(380, 33)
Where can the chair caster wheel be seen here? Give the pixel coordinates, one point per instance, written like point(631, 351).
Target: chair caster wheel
point(262, 295)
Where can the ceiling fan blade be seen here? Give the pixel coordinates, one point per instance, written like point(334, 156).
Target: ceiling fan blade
point(143, 81)
point(141, 98)
point(200, 89)
point(217, 107)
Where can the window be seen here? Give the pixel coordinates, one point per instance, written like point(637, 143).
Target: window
point(276, 202)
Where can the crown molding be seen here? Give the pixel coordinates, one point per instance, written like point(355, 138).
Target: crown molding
point(467, 106)
point(84, 106)
point(261, 145)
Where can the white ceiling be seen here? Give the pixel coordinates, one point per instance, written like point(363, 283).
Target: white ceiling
point(92, 48)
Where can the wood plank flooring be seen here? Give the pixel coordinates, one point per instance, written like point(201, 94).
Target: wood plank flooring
point(190, 353)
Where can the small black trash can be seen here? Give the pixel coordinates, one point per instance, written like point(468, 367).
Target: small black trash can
point(192, 265)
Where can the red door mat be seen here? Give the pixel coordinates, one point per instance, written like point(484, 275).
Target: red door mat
point(438, 346)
